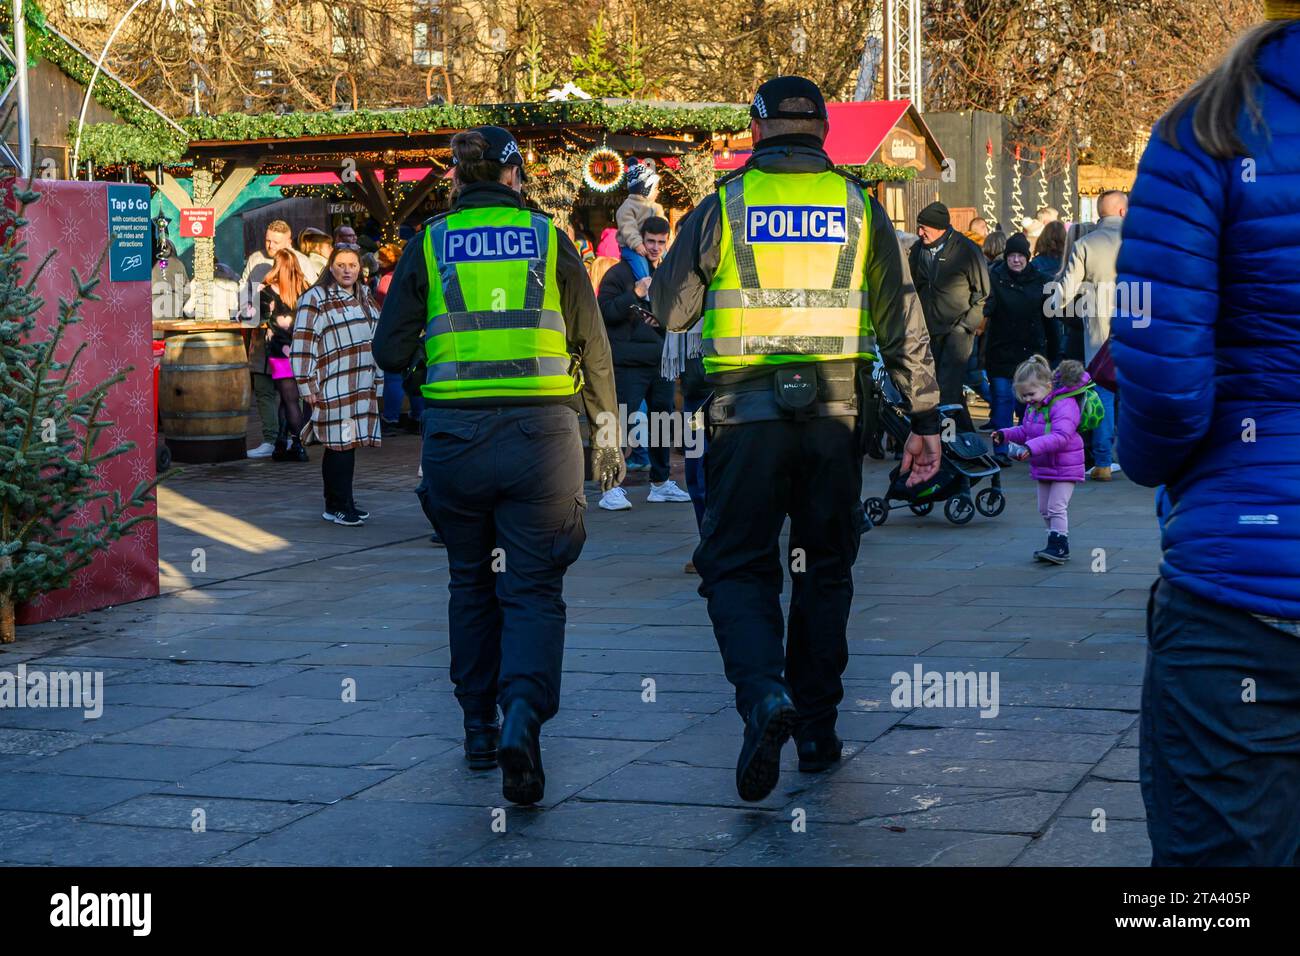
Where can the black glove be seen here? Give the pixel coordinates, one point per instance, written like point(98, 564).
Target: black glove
point(607, 467)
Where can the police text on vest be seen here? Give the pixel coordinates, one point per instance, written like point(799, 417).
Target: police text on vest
point(489, 243)
point(796, 224)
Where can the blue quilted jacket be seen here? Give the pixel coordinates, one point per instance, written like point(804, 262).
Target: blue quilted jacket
point(1208, 351)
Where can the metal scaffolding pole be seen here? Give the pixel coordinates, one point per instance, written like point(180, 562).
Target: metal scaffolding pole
point(20, 83)
point(902, 33)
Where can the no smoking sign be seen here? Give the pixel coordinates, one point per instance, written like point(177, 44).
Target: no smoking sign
point(198, 223)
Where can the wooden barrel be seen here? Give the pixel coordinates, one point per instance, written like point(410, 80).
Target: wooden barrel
point(204, 394)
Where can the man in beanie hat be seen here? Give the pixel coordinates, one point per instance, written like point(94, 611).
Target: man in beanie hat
point(796, 276)
point(952, 279)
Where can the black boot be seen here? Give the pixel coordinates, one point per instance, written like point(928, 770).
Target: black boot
point(766, 731)
point(481, 737)
point(1057, 550)
point(819, 753)
point(281, 452)
point(297, 452)
point(520, 755)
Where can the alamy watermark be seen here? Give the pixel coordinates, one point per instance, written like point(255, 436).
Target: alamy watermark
point(923, 688)
point(1131, 299)
point(71, 689)
point(77, 909)
point(651, 430)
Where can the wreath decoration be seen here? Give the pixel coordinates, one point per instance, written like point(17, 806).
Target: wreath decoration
point(603, 169)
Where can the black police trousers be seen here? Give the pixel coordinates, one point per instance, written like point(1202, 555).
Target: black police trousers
point(758, 473)
point(503, 488)
point(1220, 735)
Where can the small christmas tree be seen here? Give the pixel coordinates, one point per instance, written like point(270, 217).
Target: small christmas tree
point(49, 468)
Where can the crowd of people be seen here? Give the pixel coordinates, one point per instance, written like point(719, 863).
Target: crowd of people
point(1206, 365)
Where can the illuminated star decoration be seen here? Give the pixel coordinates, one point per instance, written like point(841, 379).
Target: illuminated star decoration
point(603, 169)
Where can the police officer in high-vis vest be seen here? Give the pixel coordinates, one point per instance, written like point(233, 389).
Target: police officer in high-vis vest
point(797, 276)
point(514, 346)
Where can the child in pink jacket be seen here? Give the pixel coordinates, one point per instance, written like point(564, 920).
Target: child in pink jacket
point(1050, 434)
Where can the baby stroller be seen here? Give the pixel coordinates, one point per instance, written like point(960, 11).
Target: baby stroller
point(966, 460)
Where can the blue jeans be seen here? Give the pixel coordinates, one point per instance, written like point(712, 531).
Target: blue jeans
point(1103, 437)
point(393, 396)
point(636, 454)
point(1003, 404)
point(976, 380)
point(695, 466)
point(640, 268)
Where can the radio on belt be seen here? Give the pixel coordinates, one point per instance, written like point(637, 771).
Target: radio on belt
point(488, 243)
point(827, 224)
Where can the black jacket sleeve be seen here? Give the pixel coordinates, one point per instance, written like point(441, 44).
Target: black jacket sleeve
point(977, 274)
point(586, 332)
point(616, 297)
point(405, 311)
point(677, 292)
point(901, 334)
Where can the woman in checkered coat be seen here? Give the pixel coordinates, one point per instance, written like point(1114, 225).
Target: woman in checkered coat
point(337, 376)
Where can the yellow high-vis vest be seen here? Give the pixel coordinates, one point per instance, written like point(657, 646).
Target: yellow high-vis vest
point(791, 285)
point(495, 329)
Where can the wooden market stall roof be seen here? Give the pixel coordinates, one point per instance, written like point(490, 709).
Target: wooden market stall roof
point(859, 139)
point(235, 147)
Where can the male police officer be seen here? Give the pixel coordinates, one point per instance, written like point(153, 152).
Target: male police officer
point(513, 341)
point(798, 277)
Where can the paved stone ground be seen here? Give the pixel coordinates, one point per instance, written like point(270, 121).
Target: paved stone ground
point(224, 695)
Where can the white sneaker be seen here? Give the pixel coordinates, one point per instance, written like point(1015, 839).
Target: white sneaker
point(261, 451)
point(667, 491)
point(615, 500)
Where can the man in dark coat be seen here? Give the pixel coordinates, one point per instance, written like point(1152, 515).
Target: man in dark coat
point(952, 281)
point(1015, 327)
point(637, 342)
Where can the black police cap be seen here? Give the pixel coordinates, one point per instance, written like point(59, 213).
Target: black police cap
point(502, 147)
point(770, 96)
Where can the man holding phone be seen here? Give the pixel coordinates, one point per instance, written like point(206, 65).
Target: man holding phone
point(637, 341)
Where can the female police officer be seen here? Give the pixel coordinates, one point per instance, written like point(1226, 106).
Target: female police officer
point(513, 340)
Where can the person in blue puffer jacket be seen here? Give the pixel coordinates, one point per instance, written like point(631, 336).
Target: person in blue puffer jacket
point(1206, 339)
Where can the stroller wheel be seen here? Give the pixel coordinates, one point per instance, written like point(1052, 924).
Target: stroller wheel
point(922, 509)
point(162, 458)
point(990, 502)
point(877, 510)
point(959, 510)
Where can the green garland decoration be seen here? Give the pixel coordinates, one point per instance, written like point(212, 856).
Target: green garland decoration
point(880, 172)
point(614, 117)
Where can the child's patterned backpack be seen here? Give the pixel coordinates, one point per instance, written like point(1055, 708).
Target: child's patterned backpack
point(1091, 411)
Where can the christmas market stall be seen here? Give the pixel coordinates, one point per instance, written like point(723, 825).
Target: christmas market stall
point(384, 172)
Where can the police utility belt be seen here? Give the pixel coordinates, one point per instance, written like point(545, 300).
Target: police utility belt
point(796, 393)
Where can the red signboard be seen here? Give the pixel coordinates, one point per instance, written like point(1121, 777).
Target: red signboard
point(72, 217)
point(198, 222)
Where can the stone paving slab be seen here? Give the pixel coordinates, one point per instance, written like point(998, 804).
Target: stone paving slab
point(514, 850)
point(1073, 842)
point(833, 844)
point(226, 695)
point(132, 761)
point(221, 816)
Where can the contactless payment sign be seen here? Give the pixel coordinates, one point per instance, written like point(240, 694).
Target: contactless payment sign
point(130, 253)
point(796, 224)
point(490, 244)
